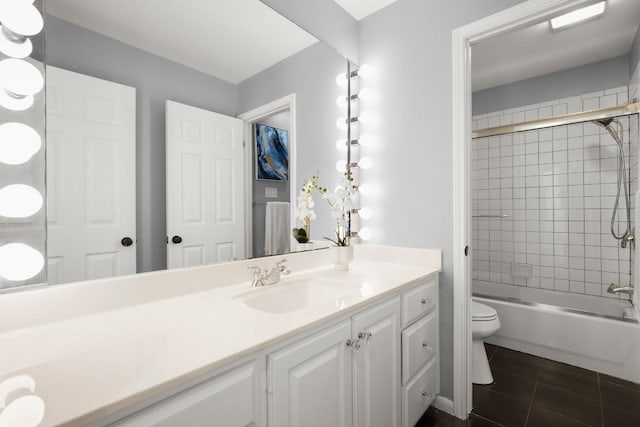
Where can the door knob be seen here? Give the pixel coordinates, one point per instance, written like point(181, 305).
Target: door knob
point(126, 241)
point(176, 239)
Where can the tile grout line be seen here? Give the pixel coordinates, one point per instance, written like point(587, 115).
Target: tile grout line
point(533, 397)
point(600, 398)
point(488, 419)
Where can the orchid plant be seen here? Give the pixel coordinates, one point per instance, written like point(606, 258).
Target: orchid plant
point(304, 208)
point(341, 201)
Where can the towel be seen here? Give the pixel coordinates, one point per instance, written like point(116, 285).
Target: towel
point(276, 228)
point(635, 298)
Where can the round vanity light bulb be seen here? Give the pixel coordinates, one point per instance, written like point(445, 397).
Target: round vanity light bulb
point(18, 143)
point(19, 201)
point(341, 166)
point(366, 117)
point(21, 17)
point(25, 411)
point(365, 233)
point(19, 262)
point(365, 189)
point(15, 104)
point(20, 78)
point(14, 48)
point(341, 145)
point(341, 79)
point(365, 71)
point(365, 94)
point(365, 213)
point(365, 162)
point(341, 123)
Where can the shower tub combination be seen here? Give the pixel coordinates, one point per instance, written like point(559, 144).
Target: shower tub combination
point(592, 332)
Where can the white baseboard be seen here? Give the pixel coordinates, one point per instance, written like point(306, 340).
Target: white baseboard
point(444, 404)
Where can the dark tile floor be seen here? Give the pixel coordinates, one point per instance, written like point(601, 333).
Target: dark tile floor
point(532, 391)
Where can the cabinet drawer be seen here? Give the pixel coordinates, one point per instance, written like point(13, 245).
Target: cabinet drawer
point(419, 300)
point(419, 344)
point(419, 394)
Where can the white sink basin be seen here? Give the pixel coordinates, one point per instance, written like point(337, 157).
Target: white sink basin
point(297, 294)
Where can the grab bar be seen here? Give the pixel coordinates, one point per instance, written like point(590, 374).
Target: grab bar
point(491, 216)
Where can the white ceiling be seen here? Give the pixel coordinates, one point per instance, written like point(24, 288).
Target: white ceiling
point(362, 8)
point(536, 50)
point(229, 39)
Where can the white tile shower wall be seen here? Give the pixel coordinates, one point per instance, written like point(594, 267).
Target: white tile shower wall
point(558, 188)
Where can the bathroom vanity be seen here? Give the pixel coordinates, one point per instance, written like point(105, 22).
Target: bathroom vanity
point(321, 347)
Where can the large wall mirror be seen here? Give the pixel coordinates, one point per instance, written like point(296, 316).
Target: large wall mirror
point(176, 131)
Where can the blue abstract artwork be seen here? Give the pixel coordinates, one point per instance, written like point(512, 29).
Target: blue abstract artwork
point(272, 153)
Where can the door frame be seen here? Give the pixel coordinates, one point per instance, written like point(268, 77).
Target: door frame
point(462, 39)
point(250, 117)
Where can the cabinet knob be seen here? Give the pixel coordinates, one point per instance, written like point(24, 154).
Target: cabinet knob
point(427, 394)
point(176, 239)
point(365, 336)
point(126, 241)
point(354, 344)
point(427, 344)
point(426, 301)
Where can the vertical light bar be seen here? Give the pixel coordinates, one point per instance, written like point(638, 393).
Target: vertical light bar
point(22, 157)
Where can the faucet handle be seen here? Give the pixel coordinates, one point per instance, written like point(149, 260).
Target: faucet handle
point(256, 269)
point(281, 267)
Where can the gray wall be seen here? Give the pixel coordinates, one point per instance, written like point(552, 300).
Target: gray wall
point(156, 79)
point(408, 44)
point(607, 74)
point(281, 120)
point(634, 55)
point(311, 76)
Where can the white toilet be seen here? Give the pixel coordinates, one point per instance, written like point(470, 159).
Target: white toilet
point(485, 323)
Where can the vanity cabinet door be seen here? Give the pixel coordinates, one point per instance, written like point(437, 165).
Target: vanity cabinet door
point(230, 399)
point(310, 382)
point(377, 366)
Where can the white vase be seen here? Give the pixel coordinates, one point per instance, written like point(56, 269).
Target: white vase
point(342, 256)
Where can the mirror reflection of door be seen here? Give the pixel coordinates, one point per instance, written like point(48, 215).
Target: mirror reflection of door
point(205, 186)
point(267, 195)
point(91, 142)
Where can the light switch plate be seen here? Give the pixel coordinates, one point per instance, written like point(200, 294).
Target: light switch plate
point(271, 192)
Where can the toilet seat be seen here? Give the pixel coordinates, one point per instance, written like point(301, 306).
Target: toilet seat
point(482, 313)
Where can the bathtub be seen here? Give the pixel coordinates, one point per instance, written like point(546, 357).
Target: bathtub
point(600, 334)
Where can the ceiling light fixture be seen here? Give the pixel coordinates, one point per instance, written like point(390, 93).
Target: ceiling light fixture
point(578, 16)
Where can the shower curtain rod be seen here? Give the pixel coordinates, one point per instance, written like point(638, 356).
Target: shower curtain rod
point(567, 119)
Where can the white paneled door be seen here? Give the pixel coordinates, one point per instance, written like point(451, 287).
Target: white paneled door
point(91, 199)
point(205, 186)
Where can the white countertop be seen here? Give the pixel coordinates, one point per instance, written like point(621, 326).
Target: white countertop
point(91, 365)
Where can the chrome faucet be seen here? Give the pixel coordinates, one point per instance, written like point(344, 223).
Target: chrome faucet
point(268, 277)
point(614, 289)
